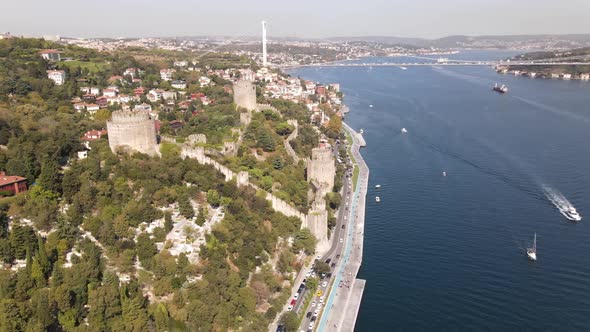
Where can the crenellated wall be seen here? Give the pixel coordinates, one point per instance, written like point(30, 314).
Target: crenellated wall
point(291, 137)
point(316, 219)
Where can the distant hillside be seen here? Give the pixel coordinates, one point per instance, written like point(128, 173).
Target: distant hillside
point(508, 41)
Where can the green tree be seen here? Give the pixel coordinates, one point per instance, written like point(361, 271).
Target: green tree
point(201, 217)
point(213, 197)
point(305, 241)
point(50, 178)
point(185, 206)
point(290, 321)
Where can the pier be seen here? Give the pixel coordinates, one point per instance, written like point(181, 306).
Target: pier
point(346, 291)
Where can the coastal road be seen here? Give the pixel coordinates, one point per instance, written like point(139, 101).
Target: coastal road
point(345, 295)
point(335, 250)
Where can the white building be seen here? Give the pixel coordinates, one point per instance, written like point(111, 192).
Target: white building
point(204, 81)
point(51, 55)
point(57, 76)
point(180, 63)
point(166, 74)
point(181, 85)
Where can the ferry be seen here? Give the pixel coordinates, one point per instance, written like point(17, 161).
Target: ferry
point(377, 199)
point(500, 88)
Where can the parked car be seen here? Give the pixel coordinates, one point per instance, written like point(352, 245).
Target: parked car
point(309, 313)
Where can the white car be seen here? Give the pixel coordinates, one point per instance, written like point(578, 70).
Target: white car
point(322, 299)
point(296, 296)
point(341, 240)
point(313, 304)
point(290, 307)
point(316, 312)
point(325, 284)
point(318, 256)
point(311, 325)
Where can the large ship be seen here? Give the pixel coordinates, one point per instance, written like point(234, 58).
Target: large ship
point(500, 88)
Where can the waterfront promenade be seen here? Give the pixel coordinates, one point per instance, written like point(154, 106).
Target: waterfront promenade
point(346, 291)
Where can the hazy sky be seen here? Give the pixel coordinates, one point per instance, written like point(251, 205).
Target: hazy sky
point(298, 18)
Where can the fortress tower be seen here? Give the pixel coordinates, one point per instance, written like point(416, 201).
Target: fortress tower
point(132, 131)
point(321, 169)
point(317, 222)
point(245, 95)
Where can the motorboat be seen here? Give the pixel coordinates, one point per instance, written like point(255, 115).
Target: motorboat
point(377, 199)
point(377, 186)
point(404, 130)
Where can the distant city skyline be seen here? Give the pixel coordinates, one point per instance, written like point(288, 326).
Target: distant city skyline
point(302, 18)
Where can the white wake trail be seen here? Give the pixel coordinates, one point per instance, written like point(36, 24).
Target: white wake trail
point(565, 207)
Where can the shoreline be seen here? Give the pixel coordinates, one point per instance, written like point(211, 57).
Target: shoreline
point(347, 299)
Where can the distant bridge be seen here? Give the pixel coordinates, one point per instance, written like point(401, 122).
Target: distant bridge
point(441, 63)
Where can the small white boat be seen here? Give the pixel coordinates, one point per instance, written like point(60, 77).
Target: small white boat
point(404, 131)
point(404, 68)
point(377, 199)
point(361, 131)
point(371, 106)
point(444, 173)
point(378, 186)
point(532, 252)
point(572, 214)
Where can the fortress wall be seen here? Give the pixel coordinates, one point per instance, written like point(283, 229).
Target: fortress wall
point(242, 179)
point(291, 137)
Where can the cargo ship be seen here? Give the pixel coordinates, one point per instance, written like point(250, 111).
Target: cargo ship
point(500, 88)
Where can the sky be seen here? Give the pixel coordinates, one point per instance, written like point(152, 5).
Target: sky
point(294, 18)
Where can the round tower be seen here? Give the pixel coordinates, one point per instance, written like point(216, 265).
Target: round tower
point(245, 95)
point(130, 130)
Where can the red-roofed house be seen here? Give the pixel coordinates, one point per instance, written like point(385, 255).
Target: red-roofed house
point(12, 183)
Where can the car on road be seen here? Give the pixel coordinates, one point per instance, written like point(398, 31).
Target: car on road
point(309, 313)
point(316, 312)
point(313, 304)
point(333, 265)
point(320, 292)
point(328, 260)
point(341, 240)
point(313, 318)
point(325, 284)
point(322, 299)
point(296, 296)
point(343, 225)
point(280, 328)
point(311, 325)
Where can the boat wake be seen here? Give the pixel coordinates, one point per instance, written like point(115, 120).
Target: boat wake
point(561, 203)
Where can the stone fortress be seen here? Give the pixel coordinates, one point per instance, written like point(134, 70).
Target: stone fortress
point(132, 131)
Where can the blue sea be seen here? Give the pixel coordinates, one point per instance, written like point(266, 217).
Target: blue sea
point(447, 253)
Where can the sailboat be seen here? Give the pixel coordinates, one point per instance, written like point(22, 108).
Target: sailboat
point(532, 252)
